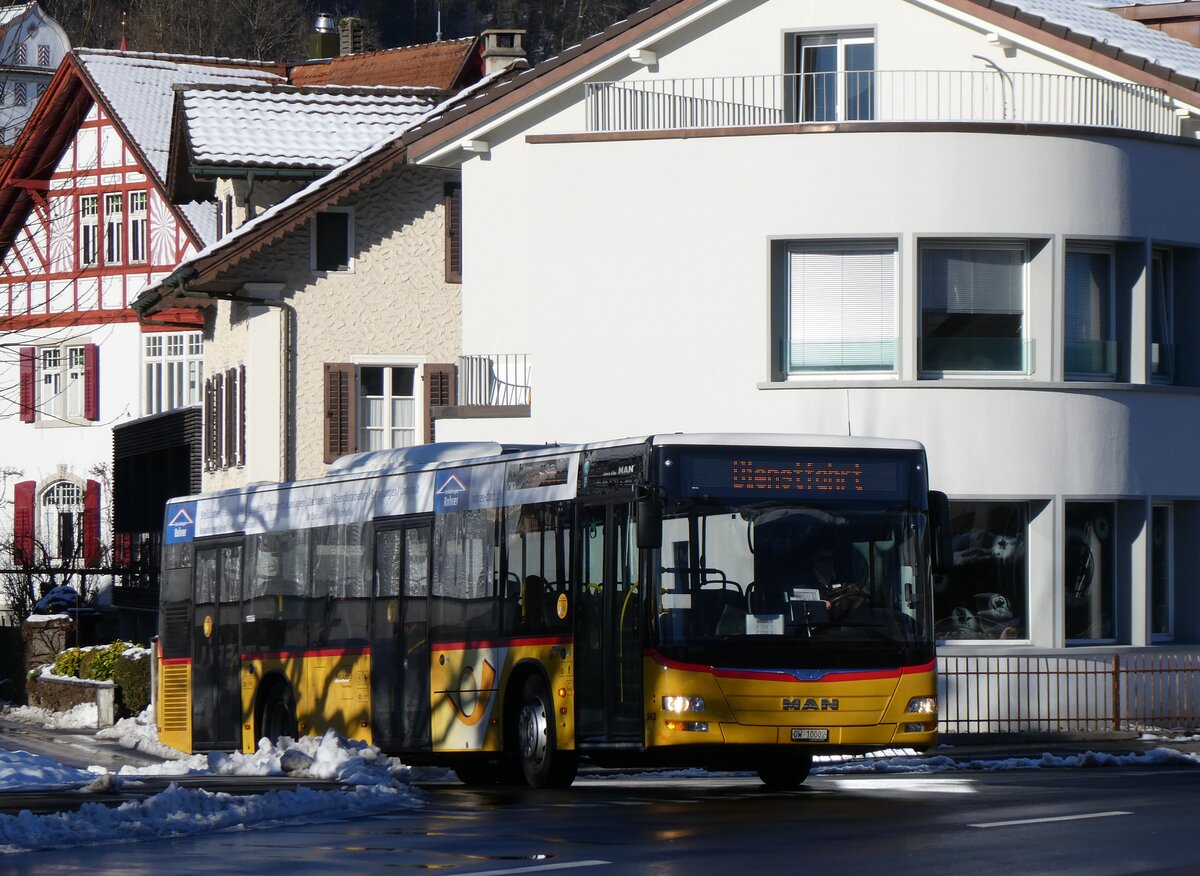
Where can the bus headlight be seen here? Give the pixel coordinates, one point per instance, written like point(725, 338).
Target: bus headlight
point(922, 705)
point(683, 704)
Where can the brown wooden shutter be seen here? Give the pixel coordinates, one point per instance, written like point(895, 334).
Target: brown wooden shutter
point(23, 517)
point(453, 210)
point(241, 424)
point(210, 420)
point(91, 524)
point(341, 394)
point(440, 390)
point(218, 427)
point(28, 384)
point(232, 390)
point(91, 382)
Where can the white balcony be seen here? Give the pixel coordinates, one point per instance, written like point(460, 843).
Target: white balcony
point(878, 97)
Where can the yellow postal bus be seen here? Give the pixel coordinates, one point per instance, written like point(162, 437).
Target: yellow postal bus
point(719, 601)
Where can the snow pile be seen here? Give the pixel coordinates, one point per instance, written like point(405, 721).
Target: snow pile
point(187, 811)
point(942, 763)
point(84, 716)
point(22, 771)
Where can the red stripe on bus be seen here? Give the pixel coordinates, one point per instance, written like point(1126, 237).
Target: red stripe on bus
point(176, 661)
point(830, 675)
point(321, 652)
point(494, 643)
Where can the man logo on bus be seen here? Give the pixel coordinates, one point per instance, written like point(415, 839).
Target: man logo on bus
point(809, 704)
point(451, 493)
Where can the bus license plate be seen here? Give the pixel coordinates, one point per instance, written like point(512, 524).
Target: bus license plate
point(808, 734)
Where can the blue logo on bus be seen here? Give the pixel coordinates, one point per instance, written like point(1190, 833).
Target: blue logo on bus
point(453, 492)
point(181, 525)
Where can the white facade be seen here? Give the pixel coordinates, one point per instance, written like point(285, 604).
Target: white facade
point(32, 45)
point(650, 278)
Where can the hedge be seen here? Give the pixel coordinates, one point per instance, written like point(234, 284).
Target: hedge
point(124, 664)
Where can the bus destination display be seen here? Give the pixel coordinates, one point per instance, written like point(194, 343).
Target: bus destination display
point(763, 475)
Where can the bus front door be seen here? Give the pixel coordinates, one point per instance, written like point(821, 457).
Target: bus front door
point(400, 638)
point(216, 647)
point(608, 651)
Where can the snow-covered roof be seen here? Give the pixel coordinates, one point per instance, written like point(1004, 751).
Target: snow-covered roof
point(293, 128)
point(8, 13)
point(1085, 18)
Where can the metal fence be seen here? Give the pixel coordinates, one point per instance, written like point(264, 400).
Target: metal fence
point(1058, 694)
point(494, 379)
point(877, 96)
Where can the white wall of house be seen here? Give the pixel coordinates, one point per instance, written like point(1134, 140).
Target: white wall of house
point(393, 307)
point(644, 291)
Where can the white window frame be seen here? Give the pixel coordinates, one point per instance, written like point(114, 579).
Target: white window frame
point(803, 306)
point(138, 227)
point(172, 371)
point(60, 382)
point(807, 81)
point(114, 228)
point(1020, 246)
point(387, 427)
point(349, 266)
point(1110, 253)
point(89, 230)
point(1162, 304)
point(1167, 635)
point(63, 496)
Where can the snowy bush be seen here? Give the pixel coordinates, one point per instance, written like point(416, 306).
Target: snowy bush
point(131, 672)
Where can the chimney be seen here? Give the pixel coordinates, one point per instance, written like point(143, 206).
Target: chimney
point(323, 43)
point(350, 31)
point(500, 48)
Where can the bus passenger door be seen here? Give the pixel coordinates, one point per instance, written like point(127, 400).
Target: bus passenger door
point(608, 651)
point(216, 647)
point(400, 638)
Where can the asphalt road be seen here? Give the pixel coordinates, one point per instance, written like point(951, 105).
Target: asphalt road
point(1104, 821)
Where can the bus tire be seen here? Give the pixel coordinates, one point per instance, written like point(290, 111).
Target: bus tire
point(787, 773)
point(279, 713)
point(543, 764)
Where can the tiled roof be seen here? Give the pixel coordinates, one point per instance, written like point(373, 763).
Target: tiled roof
point(139, 90)
point(320, 128)
point(434, 65)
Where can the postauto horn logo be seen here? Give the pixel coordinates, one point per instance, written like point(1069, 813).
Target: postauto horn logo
point(453, 491)
point(181, 525)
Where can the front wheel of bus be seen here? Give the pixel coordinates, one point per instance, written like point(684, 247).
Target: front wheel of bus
point(787, 773)
point(279, 713)
point(543, 764)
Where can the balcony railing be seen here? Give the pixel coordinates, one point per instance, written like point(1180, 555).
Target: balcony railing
point(877, 96)
point(494, 379)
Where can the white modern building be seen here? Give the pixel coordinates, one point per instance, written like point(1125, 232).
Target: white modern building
point(965, 222)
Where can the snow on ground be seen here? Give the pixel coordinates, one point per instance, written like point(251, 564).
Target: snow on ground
point(369, 782)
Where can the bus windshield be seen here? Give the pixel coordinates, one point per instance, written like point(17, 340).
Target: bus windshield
point(750, 578)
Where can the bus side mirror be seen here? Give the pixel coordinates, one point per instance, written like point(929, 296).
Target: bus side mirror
point(941, 542)
point(649, 522)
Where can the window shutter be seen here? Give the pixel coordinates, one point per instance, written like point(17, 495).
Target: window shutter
point(23, 498)
point(229, 418)
point(91, 382)
point(91, 524)
point(340, 396)
point(122, 550)
point(453, 205)
point(28, 384)
point(241, 424)
point(440, 390)
point(210, 418)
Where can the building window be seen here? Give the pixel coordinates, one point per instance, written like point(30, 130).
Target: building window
point(174, 371)
point(43, 53)
point(841, 303)
point(1162, 318)
point(333, 241)
point(387, 408)
point(137, 227)
point(1162, 599)
point(986, 595)
point(972, 307)
point(225, 419)
point(370, 407)
point(20, 93)
point(837, 77)
point(114, 226)
point(1091, 347)
point(1089, 576)
point(228, 214)
point(61, 529)
point(59, 383)
point(89, 222)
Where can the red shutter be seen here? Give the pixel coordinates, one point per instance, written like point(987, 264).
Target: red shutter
point(23, 493)
point(340, 395)
point(91, 524)
point(453, 222)
point(440, 391)
point(28, 384)
point(122, 549)
point(91, 382)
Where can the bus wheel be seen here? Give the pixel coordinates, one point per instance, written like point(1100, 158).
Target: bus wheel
point(542, 763)
point(787, 773)
point(279, 713)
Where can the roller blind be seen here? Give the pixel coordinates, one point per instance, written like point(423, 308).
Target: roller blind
point(972, 280)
